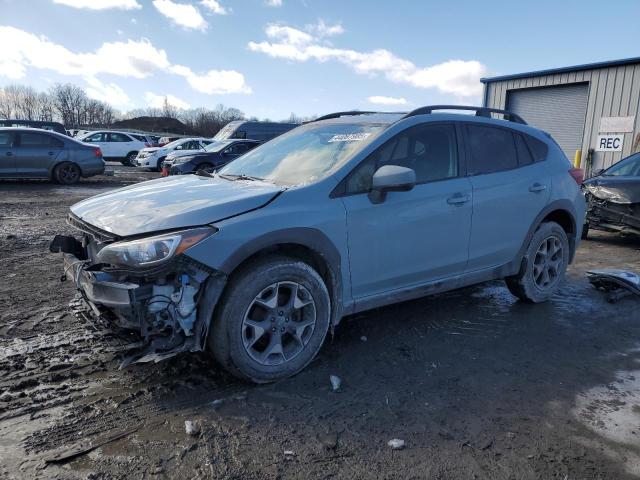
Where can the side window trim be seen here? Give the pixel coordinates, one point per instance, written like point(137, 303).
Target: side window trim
point(341, 189)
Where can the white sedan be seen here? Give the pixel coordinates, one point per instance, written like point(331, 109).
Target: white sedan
point(151, 158)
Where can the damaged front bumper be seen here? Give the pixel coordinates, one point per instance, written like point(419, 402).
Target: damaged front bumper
point(170, 307)
point(610, 216)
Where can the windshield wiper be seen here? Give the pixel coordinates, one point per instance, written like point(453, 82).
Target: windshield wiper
point(204, 173)
point(242, 176)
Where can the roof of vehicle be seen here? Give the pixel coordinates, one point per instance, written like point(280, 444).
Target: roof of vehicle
point(32, 129)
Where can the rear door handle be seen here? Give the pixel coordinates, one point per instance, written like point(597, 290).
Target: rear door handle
point(537, 187)
point(9, 154)
point(458, 199)
point(51, 153)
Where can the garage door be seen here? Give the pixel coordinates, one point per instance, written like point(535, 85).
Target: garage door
point(559, 111)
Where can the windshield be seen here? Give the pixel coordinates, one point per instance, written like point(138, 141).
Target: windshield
point(216, 146)
point(174, 144)
point(625, 168)
point(305, 154)
point(226, 131)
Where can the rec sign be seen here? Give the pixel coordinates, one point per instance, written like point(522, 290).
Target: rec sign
point(610, 143)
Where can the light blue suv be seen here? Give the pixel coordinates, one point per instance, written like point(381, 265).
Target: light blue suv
point(346, 213)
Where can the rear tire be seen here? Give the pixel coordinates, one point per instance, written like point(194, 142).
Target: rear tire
point(67, 173)
point(262, 331)
point(545, 263)
point(204, 166)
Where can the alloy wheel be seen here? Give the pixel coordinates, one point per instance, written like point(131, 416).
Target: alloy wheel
point(547, 263)
point(68, 173)
point(279, 323)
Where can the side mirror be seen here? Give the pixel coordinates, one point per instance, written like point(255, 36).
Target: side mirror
point(391, 178)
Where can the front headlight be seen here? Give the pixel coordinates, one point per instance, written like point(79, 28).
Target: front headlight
point(182, 160)
point(151, 251)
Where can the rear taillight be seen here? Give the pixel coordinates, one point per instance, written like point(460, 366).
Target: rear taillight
point(97, 152)
point(577, 174)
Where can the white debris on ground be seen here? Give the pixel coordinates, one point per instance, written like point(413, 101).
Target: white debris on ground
point(335, 383)
point(396, 444)
point(192, 428)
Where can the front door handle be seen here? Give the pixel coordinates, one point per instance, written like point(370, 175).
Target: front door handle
point(537, 187)
point(458, 199)
point(50, 153)
point(9, 154)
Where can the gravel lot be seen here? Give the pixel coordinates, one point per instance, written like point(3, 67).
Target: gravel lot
point(477, 384)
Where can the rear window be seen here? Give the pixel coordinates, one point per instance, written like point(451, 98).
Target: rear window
point(492, 149)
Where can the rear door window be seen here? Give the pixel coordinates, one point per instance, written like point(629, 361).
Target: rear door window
point(491, 149)
point(38, 140)
point(538, 149)
point(524, 155)
point(119, 137)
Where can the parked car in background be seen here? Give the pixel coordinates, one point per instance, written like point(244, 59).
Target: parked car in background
point(215, 155)
point(122, 146)
point(154, 140)
point(347, 213)
point(151, 158)
point(162, 141)
point(44, 154)
point(262, 131)
point(613, 198)
point(52, 126)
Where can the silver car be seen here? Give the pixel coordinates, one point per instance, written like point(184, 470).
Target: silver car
point(36, 153)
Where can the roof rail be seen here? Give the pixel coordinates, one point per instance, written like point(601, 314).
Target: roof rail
point(480, 112)
point(341, 114)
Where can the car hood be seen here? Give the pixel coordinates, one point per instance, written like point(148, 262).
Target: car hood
point(616, 189)
point(154, 150)
point(173, 202)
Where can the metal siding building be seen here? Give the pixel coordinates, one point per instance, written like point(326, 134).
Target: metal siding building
point(570, 102)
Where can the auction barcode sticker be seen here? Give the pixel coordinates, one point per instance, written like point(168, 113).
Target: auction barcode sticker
point(349, 137)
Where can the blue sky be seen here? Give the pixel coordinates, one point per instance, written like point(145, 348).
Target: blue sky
point(270, 58)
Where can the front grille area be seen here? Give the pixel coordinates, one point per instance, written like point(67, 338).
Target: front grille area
point(94, 232)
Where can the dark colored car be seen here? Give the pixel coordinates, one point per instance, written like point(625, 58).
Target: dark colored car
point(613, 198)
point(52, 126)
point(215, 155)
point(35, 153)
point(263, 131)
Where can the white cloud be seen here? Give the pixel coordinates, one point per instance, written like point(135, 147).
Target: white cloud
point(137, 59)
point(458, 77)
point(183, 14)
point(214, 7)
point(274, 3)
point(157, 101)
point(101, 4)
point(214, 81)
point(108, 92)
point(381, 100)
point(323, 30)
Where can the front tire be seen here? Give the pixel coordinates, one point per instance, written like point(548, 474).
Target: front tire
point(128, 161)
point(546, 261)
point(271, 320)
point(67, 173)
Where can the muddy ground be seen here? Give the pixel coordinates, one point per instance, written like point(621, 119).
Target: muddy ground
point(477, 384)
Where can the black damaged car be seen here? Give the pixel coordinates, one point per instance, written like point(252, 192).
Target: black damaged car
point(613, 198)
point(214, 156)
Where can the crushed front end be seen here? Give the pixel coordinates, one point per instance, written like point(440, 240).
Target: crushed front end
point(611, 210)
point(145, 284)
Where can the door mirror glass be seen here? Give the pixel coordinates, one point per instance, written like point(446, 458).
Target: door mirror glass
point(391, 178)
